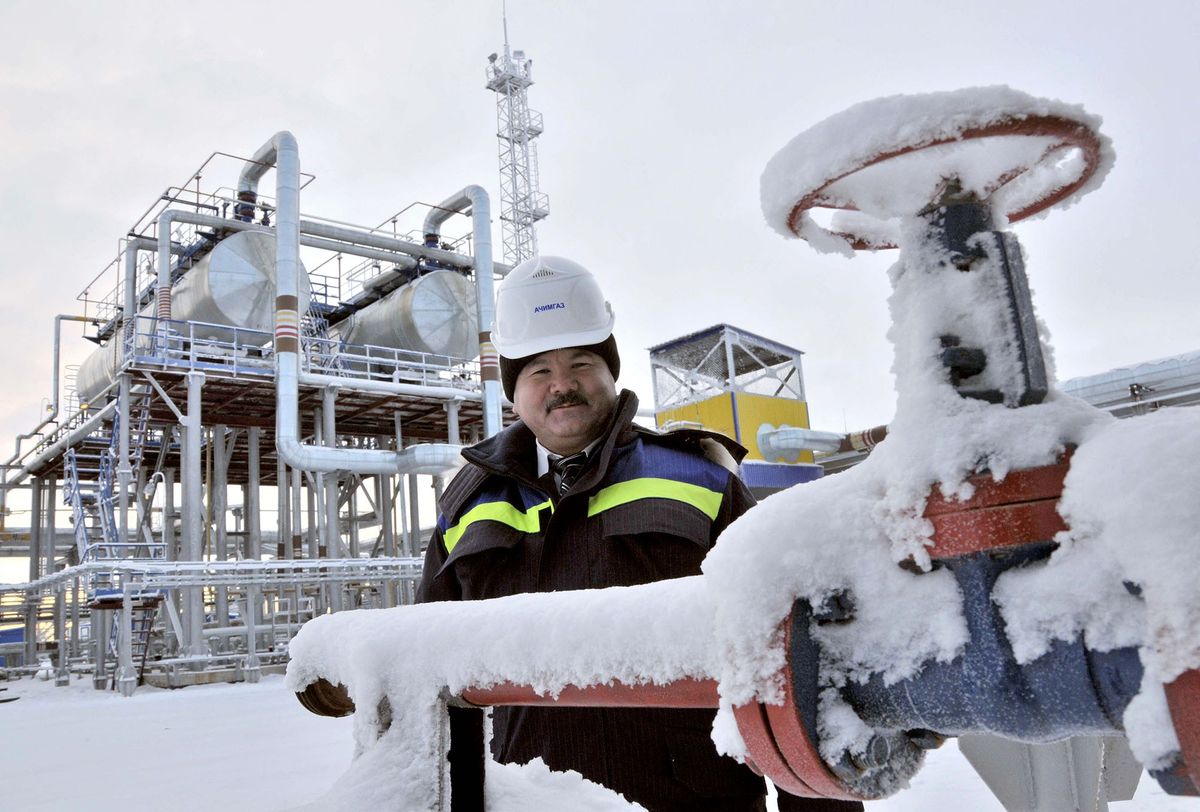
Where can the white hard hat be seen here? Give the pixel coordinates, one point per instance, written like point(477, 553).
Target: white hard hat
point(549, 303)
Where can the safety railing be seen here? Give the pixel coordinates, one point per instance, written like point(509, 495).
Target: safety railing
point(236, 352)
point(150, 575)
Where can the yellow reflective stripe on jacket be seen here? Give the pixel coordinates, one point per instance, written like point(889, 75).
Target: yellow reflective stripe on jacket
point(528, 521)
point(706, 501)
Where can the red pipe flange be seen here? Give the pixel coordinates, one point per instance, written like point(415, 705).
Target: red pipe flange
point(781, 746)
point(1183, 700)
point(1018, 510)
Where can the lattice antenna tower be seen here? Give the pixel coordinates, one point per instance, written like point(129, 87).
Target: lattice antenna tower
point(522, 204)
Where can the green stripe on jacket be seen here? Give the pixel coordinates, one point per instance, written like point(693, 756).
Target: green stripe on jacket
point(528, 521)
point(706, 501)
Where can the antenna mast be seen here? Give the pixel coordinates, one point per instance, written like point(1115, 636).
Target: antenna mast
point(521, 204)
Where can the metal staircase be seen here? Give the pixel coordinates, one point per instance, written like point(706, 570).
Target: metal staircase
point(145, 610)
point(88, 490)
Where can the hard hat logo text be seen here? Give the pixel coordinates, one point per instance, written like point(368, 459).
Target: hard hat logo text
point(552, 306)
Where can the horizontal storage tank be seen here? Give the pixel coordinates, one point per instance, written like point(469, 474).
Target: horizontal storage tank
point(232, 286)
point(434, 313)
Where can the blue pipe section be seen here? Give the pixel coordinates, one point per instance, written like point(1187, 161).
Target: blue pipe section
point(1068, 691)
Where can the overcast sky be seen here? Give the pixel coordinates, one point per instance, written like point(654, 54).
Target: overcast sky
point(659, 120)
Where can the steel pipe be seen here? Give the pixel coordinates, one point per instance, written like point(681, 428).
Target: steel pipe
point(485, 298)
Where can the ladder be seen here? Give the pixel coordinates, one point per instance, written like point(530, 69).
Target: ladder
point(145, 611)
point(87, 490)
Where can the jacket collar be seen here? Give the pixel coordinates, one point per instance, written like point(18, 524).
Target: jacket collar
point(511, 453)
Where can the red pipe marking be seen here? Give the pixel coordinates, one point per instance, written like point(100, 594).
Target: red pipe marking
point(684, 693)
point(1183, 700)
point(994, 528)
point(756, 733)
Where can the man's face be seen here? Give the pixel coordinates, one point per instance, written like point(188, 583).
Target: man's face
point(565, 398)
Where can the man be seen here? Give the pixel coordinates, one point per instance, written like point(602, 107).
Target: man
point(576, 496)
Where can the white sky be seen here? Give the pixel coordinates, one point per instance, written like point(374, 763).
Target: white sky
point(659, 119)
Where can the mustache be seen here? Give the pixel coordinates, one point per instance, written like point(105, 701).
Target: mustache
point(566, 399)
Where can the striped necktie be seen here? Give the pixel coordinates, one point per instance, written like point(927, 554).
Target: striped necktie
point(567, 470)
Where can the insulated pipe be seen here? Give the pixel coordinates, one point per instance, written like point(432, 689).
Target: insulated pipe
point(387, 387)
point(396, 251)
point(128, 317)
point(50, 418)
point(485, 298)
point(163, 293)
point(62, 445)
point(786, 442)
point(283, 152)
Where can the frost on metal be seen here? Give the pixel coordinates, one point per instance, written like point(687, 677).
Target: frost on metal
point(826, 156)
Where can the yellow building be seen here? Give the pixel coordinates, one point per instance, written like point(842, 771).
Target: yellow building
point(732, 381)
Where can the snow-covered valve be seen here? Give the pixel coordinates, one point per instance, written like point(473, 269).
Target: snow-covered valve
point(960, 169)
point(940, 176)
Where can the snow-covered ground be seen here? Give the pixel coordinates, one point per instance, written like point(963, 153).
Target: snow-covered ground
point(254, 747)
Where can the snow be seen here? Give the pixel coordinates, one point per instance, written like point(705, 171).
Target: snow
point(254, 747)
point(1130, 500)
point(831, 151)
point(547, 640)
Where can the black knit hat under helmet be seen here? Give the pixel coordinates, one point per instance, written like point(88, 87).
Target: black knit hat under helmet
point(510, 368)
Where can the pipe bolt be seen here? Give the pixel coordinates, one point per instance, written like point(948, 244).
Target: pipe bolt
point(837, 608)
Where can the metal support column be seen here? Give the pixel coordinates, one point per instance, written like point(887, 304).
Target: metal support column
point(413, 541)
point(62, 675)
point(311, 536)
point(383, 503)
point(333, 535)
point(100, 630)
point(50, 537)
point(124, 469)
point(126, 674)
point(283, 511)
point(253, 510)
point(193, 511)
point(33, 600)
point(297, 500)
point(296, 528)
point(218, 491)
point(74, 599)
point(170, 550)
point(452, 431)
point(352, 505)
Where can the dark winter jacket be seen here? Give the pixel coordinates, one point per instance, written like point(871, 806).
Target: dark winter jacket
point(648, 506)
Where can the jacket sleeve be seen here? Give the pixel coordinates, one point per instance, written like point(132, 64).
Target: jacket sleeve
point(736, 500)
point(434, 587)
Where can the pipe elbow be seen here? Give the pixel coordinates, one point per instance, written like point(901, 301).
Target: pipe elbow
point(431, 459)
